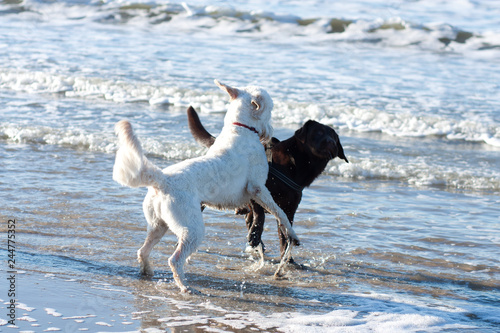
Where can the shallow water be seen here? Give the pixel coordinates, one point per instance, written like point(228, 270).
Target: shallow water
point(404, 238)
point(371, 246)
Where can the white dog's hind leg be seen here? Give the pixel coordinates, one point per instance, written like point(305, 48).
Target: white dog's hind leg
point(156, 230)
point(186, 246)
point(155, 234)
point(186, 223)
point(176, 263)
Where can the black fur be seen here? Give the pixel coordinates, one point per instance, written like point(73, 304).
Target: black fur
point(301, 158)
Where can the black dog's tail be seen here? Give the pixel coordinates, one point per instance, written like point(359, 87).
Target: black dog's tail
point(199, 132)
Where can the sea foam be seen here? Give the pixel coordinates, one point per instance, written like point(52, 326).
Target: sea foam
point(404, 124)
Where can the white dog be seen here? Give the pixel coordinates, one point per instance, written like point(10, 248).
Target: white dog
point(233, 172)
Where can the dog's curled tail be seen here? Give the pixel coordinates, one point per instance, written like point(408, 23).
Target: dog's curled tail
point(131, 167)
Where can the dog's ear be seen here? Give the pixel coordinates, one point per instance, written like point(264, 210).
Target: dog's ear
point(340, 151)
point(232, 92)
point(301, 133)
point(255, 105)
point(258, 107)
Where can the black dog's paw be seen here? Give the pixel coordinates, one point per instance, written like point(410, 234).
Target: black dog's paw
point(251, 248)
point(254, 242)
point(295, 265)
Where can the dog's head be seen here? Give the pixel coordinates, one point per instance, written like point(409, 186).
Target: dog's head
point(321, 140)
point(251, 106)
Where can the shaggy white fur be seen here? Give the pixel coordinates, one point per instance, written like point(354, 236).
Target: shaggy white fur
point(233, 172)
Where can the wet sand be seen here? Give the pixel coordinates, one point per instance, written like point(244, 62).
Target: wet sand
point(48, 303)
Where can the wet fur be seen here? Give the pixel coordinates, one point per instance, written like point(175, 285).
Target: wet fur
point(232, 173)
point(302, 158)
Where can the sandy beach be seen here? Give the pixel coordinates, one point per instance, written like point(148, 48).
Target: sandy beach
point(56, 304)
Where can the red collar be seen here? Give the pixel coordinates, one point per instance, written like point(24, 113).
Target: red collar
point(248, 127)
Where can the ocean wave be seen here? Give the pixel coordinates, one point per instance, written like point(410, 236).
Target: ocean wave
point(106, 142)
point(76, 138)
point(119, 91)
point(392, 31)
point(286, 112)
point(402, 124)
point(416, 173)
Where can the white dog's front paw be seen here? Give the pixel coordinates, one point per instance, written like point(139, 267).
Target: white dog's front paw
point(146, 269)
point(147, 272)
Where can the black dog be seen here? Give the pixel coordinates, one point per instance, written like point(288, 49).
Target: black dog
point(293, 165)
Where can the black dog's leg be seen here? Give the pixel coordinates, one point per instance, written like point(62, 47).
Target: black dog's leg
point(249, 222)
point(255, 223)
point(282, 236)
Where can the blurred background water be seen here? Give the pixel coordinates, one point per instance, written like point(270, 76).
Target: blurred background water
point(409, 228)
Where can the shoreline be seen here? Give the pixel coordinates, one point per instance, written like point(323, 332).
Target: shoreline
point(53, 304)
